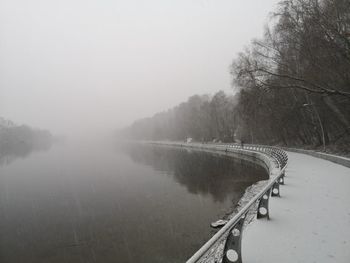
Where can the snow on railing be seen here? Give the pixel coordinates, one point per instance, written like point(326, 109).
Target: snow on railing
point(225, 245)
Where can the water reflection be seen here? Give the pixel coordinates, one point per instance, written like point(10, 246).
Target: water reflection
point(200, 172)
point(87, 202)
point(11, 151)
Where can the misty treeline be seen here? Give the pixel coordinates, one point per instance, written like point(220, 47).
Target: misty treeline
point(201, 118)
point(292, 86)
point(20, 140)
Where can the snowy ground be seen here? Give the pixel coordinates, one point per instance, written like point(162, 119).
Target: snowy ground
point(310, 222)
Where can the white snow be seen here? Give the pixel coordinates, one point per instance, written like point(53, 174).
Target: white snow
point(310, 222)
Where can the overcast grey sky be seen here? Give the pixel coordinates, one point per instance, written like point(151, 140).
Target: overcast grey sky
point(74, 66)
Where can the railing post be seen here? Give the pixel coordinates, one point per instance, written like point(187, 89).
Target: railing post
point(276, 189)
point(281, 179)
point(232, 250)
point(263, 208)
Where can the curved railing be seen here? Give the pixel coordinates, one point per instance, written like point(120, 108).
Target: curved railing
point(225, 245)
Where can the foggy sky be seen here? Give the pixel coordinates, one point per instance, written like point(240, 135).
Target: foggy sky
point(89, 66)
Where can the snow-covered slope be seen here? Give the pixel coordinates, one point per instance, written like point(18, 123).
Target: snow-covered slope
point(311, 220)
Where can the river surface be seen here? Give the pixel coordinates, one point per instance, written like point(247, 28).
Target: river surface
point(95, 202)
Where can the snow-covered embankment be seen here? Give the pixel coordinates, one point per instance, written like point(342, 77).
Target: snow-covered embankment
point(311, 220)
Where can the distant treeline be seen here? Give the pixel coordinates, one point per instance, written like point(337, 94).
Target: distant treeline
point(20, 140)
point(201, 118)
point(292, 87)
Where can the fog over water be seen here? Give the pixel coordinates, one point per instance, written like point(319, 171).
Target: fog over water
point(82, 80)
point(87, 67)
point(84, 68)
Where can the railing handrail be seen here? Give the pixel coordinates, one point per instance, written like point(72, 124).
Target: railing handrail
point(205, 248)
point(276, 160)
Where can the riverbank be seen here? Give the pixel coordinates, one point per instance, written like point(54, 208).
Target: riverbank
point(272, 159)
point(311, 220)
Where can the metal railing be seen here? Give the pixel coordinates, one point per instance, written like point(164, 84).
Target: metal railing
point(225, 245)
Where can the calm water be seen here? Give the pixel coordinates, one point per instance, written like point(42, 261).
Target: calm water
point(89, 202)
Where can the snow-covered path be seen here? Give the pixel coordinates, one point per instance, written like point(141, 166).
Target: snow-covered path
point(310, 222)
